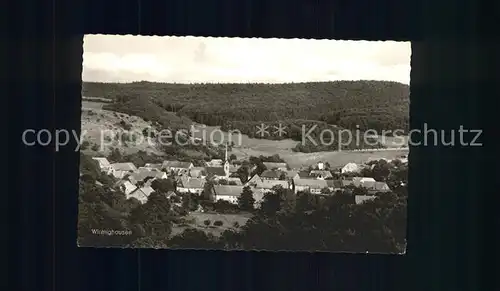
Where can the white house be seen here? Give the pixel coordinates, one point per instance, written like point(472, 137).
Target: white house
point(320, 174)
point(320, 166)
point(189, 184)
point(228, 193)
point(177, 166)
point(150, 166)
point(104, 164)
point(143, 174)
point(214, 163)
point(267, 185)
point(363, 179)
point(141, 194)
point(255, 182)
point(314, 186)
point(350, 168)
point(126, 186)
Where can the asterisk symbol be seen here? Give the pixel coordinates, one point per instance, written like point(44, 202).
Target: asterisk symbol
point(262, 130)
point(280, 130)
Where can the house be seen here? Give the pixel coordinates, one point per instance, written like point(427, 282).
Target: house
point(350, 168)
point(197, 172)
point(104, 164)
point(120, 174)
point(192, 185)
point(215, 163)
point(376, 187)
point(271, 175)
point(363, 179)
point(360, 199)
point(141, 194)
point(255, 182)
point(276, 166)
point(268, 185)
point(319, 174)
point(170, 194)
point(334, 185)
point(228, 193)
point(123, 167)
point(177, 166)
point(303, 174)
point(143, 175)
point(314, 186)
point(217, 173)
point(153, 166)
point(126, 186)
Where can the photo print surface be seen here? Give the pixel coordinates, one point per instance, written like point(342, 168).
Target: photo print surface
point(244, 144)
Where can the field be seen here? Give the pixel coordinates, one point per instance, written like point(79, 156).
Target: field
point(94, 120)
point(246, 147)
point(198, 218)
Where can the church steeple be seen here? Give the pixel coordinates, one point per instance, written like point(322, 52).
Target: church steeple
point(225, 159)
point(226, 164)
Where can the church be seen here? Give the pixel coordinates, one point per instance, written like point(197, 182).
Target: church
point(219, 173)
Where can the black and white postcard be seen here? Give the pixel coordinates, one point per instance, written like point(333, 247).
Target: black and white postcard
point(244, 144)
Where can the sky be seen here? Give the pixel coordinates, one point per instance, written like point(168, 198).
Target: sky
point(128, 58)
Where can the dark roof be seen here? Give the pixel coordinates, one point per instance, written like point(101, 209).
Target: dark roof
point(188, 182)
point(317, 173)
point(217, 171)
point(304, 175)
point(228, 190)
point(334, 183)
point(270, 174)
point(313, 183)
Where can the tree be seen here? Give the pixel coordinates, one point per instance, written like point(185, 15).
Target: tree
point(232, 157)
point(270, 204)
point(163, 185)
point(155, 215)
point(206, 222)
point(115, 155)
point(246, 201)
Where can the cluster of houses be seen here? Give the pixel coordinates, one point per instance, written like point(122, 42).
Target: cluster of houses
point(136, 182)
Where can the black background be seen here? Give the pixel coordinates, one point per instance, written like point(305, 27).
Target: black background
point(447, 185)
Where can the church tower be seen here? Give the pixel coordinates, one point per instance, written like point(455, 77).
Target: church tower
point(226, 164)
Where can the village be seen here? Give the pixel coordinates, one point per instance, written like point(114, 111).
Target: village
point(223, 178)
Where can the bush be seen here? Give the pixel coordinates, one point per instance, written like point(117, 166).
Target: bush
point(218, 223)
point(207, 222)
point(95, 147)
point(236, 224)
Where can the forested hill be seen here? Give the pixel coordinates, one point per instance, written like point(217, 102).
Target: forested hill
point(368, 104)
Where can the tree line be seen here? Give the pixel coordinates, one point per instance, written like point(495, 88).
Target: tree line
point(378, 105)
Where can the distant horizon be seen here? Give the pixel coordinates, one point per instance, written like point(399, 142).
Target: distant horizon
point(190, 59)
point(243, 83)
